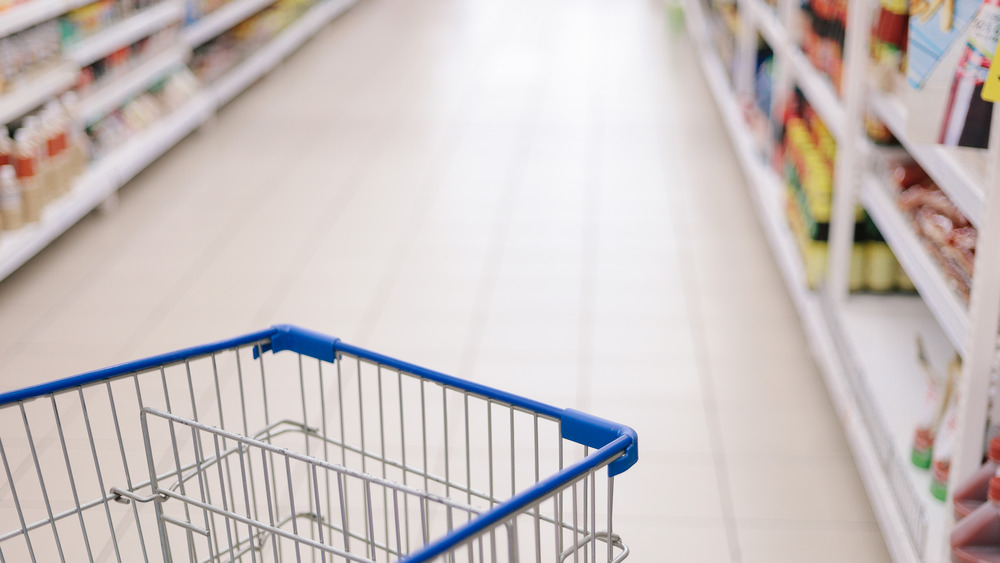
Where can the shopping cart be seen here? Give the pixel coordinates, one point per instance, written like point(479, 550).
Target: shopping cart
point(233, 452)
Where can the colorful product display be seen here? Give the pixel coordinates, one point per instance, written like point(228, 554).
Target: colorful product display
point(215, 57)
point(27, 53)
point(823, 36)
point(967, 115)
point(91, 19)
point(40, 163)
point(945, 232)
point(888, 40)
point(139, 113)
point(8, 4)
point(123, 60)
point(877, 132)
point(806, 159)
point(197, 9)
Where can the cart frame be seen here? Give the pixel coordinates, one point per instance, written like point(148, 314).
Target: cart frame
point(605, 444)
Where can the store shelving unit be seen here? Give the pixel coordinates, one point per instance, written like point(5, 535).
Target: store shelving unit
point(865, 345)
point(126, 32)
point(118, 90)
point(222, 19)
point(35, 91)
point(268, 57)
point(34, 13)
point(104, 177)
point(949, 310)
point(101, 181)
point(954, 177)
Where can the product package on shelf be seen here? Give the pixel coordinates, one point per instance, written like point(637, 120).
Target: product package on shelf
point(214, 58)
point(757, 112)
point(8, 4)
point(86, 21)
point(39, 163)
point(946, 233)
point(105, 70)
point(197, 9)
point(806, 160)
point(139, 113)
point(888, 43)
point(824, 24)
point(950, 49)
point(28, 53)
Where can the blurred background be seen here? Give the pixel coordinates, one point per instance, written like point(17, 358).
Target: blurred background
point(535, 195)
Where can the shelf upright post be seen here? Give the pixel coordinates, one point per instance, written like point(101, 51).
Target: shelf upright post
point(850, 153)
point(782, 85)
point(984, 314)
point(746, 51)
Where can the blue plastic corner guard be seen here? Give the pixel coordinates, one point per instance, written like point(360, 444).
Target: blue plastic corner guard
point(597, 432)
point(301, 341)
point(577, 426)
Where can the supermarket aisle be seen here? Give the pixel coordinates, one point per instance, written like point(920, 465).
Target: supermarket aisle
point(533, 194)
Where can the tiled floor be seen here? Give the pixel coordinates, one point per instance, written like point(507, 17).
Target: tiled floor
point(536, 194)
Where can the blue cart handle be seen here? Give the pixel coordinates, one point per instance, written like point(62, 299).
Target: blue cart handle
point(576, 426)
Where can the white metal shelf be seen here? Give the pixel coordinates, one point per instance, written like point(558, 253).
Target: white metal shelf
point(118, 90)
point(920, 266)
point(964, 189)
point(35, 91)
point(100, 181)
point(267, 57)
point(126, 32)
point(35, 12)
point(840, 378)
point(815, 85)
point(222, 19)
point(103, 178)
point(889, 384)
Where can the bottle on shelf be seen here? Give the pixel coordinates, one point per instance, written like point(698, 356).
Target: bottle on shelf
point(26, 166)
point(944, 445)
point(55, 143)
point(6, 147)
point(43, 175)
point(937, 399)
point(11, 212)
point(75, 138)
point(972, 493)
point(976, 538)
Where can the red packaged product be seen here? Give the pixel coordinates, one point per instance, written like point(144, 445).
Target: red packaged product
point(906, 175)
point(934, 226)
point(913, 198)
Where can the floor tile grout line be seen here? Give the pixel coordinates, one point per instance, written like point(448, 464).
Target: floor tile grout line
point(699, 341)
point(209, 253)
point(334, 210)
point(407, 239)
point(498, 241)
point(590, 235)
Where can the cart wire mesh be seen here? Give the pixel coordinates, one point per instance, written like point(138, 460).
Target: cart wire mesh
point(235, 452)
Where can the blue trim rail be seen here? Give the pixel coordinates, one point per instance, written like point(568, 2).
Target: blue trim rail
point(576, 426)
point(615, 445)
